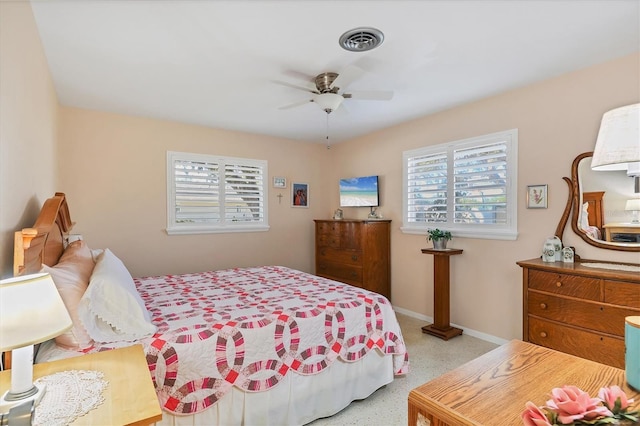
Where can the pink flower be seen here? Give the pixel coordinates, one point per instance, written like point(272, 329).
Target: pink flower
point(572, 403)
point(533, 416)
point(613, 394)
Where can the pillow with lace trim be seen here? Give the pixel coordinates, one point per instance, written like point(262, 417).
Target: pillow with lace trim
point(111, 309)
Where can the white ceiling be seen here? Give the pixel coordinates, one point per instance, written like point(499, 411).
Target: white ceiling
point(217, 63)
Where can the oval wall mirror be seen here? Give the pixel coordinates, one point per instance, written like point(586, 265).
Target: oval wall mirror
point(599, 199)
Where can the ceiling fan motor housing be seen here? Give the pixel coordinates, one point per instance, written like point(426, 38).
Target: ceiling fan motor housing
point(324, 82)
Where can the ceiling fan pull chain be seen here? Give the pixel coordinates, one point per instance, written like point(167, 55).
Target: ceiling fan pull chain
point(328, 145)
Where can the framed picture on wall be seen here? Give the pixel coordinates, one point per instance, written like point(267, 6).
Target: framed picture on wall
point(299, 195)
point(537, 196)
point(279, 182)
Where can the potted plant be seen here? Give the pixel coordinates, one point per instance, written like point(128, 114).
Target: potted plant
point(439, 238)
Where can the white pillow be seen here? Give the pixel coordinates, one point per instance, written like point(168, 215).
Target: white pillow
point(584, 217)
point(111, 309)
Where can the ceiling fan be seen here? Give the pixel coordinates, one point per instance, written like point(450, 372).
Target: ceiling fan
point(327, 90)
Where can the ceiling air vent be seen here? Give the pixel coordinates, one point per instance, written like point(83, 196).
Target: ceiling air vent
point(361, 39)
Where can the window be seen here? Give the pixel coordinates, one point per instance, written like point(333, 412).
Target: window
point(467, 187)
point(207, 193)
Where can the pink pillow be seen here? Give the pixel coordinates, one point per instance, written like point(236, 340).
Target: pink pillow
point(71, 275)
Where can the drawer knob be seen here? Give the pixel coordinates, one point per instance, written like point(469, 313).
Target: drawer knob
point(543, 305)
point(559, 284)
point(354, 258)
point(543, 334)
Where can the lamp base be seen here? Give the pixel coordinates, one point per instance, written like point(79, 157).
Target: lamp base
point(10, 400)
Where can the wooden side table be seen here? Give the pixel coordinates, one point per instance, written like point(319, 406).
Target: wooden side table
point(129, 399)
point(441, 327)
point(494, 388)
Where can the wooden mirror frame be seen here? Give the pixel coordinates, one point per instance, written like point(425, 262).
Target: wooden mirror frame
point(574, 201)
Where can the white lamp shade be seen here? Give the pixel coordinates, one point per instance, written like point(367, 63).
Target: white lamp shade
point(618, 142)
point(633, 205)
point(31, 311)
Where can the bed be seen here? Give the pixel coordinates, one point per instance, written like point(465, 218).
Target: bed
point(261, 345)
point(592, 214)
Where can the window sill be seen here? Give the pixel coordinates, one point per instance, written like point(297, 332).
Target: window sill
point(486, 234)
point(217, 230)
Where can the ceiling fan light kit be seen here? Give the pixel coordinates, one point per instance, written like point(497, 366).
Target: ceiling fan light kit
point(361, 39)
point(329, 102)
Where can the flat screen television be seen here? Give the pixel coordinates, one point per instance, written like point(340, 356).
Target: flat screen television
point(359, 192)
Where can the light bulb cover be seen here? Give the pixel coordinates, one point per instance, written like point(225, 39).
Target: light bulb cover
point(329, 102)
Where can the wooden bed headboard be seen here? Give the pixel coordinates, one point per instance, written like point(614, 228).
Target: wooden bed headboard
point(596, 209)
point(46, 240)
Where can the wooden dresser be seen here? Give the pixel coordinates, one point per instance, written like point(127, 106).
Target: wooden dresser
point(579, 309)
point(355, 252)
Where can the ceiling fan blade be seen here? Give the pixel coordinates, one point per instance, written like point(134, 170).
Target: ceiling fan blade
point(370, 95)
point(347, 76)
point(296, 104)
point(309, 89)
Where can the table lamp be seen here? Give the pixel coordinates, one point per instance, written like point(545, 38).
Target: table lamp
point(31, 312)
point(618, 142)
point(633, 206)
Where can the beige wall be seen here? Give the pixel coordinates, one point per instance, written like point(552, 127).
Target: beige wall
point(113, 170)
point(28, 120)
point(556, 119)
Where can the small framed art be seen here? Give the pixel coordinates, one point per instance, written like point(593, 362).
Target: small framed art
point(279, 182)
point(299, 195)
point(537, 196)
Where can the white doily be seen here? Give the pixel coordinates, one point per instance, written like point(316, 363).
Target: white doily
point(630, 268)
point(69, 395)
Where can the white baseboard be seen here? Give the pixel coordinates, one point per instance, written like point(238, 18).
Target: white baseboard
point(469, 331)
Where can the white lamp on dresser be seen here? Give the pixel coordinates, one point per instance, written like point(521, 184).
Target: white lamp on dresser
point(31, 312)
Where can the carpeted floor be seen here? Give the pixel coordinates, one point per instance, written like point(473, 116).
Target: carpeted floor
point(429, 357)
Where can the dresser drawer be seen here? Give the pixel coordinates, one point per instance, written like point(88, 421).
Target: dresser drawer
point(568, 285)
point(621, 293)
point(349, 257)
point(592, 315)
point(590, 345)
point(328, 240)
point(340, 272)
point(346, 235)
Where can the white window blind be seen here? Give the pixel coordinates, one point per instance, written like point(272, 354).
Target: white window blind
point(208, 193)
point(467, 187)
point(480, 184)
point(427, 182)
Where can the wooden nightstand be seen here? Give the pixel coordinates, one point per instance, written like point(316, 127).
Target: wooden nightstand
point(129, 399)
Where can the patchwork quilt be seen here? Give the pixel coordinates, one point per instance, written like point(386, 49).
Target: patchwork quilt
point(251, 327)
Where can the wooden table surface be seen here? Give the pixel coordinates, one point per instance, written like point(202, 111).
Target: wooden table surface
point(494, 388)
point(130, 397)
